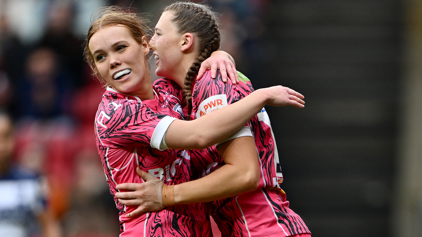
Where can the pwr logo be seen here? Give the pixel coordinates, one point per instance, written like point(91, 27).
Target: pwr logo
point(210, 104)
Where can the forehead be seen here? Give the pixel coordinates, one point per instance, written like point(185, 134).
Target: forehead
point(165, 23)
point(109, 35)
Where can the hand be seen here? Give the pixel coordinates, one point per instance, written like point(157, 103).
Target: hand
point(284, 96)
point(224, 62)
point(147, 196)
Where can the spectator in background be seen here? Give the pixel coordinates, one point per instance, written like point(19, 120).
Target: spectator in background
point(5, 87)
point(23, 200)
point(60, 38)
point(44, 90)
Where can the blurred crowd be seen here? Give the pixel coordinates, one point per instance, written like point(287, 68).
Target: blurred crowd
point(51, 95)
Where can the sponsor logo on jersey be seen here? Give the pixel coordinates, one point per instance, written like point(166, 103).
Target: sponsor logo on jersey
point(210, 104)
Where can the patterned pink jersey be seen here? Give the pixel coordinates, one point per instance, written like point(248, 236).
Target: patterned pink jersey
point(129, 132)
point(264, 212)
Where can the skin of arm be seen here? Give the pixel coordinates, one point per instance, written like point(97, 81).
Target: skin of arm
point(240, 174)
point(220, 124)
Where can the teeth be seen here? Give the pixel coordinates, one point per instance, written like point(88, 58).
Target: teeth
point(156, 57)
point(121, 74)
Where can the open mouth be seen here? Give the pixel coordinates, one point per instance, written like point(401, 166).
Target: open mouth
point(121, 74)
point(157, 58)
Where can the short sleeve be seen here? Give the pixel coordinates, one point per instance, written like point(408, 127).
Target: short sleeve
point(122, 122)
point(157, 139)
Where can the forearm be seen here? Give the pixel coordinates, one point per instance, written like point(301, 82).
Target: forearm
point(220, 184)
point(240, 174)
point(216, 126)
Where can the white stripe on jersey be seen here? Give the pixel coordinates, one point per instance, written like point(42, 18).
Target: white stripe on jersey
point(269, 204)
point(243, 216)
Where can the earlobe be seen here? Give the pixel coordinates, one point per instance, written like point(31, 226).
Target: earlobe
point(187, 42)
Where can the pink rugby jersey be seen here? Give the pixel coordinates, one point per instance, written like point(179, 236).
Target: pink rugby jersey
point(264, 212)
point(129, 133)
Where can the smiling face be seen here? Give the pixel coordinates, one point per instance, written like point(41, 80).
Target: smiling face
point(121, 61)
point(166, 44)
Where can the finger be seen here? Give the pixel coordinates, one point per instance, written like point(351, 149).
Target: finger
point(136, 212)
point(297, 101)
point(296, 98)
point(233, 74)
point(202, 70)
point(125, 195)
point(127, 186)
point(297, 104)
point(223, 72)
point(214, 68)
point(293, 92)
point(145, 175)
point(131, 202)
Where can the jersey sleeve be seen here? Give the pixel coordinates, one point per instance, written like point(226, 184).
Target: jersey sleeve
point(212, 94)
point(121, 122)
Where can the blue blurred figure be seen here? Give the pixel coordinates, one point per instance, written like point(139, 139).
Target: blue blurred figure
point(23, 199)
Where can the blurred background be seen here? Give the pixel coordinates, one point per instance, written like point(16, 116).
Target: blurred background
point(351, 159)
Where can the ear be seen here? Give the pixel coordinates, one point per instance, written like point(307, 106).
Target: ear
point(145, 45)
point(187, 42)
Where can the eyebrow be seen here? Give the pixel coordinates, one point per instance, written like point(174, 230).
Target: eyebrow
point(112, 46)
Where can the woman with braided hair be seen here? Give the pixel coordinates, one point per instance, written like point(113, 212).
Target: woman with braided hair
point(185, 35)
point(138, 121)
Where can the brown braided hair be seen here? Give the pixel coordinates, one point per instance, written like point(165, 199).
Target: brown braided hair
point(200, 20)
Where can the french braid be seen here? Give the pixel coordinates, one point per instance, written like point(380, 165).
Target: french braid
point(199, 19)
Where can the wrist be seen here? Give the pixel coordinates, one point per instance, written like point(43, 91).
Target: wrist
point(263, 96)
point(167, 193)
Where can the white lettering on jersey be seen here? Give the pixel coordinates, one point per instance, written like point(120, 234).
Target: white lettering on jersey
point(210, 104)
point(158, 172)
point(116, 106)
point(170, 171)
point(101, 117)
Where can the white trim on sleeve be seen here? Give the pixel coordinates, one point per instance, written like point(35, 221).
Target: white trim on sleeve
point(244, 132)
point(157, 139)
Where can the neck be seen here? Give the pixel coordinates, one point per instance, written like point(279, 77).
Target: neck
point(146, 92)
point(183, 68)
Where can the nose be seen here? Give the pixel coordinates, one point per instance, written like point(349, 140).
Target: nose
point(152, 43)
point(114, 63)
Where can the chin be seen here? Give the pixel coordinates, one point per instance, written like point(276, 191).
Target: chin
point(159, 73)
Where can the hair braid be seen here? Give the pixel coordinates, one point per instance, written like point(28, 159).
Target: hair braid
point(198, 19)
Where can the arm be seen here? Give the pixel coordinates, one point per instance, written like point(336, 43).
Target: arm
point(241, 169)
point(220, 124)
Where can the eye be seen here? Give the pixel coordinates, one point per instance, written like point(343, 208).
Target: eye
point(120, 47)
point(99, 57)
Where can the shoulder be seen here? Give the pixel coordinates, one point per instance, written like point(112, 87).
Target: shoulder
point(164, 85)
